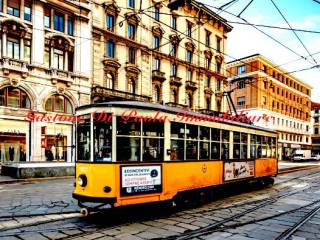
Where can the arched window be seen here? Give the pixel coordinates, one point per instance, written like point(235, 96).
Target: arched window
point(14, 97)
point(132, 86)
point(157, 93)
point(110, 80)
point(58, 103)
point(189, 100)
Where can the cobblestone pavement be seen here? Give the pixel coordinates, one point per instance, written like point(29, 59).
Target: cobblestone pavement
point(253, 214)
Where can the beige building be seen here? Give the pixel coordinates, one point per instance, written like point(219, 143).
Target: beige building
point(45, 68)
point(262, 89)
point(315, 123)
point(163, 54)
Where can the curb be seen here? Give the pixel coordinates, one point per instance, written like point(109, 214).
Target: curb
point(30, 180)
point(296, 169)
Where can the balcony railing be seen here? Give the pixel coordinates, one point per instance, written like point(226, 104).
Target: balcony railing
point(15, 65)
point(60, 75)
point(173, 104)
point(174, 80)
point(191, 85)
point(157, 75)
point(111, 94)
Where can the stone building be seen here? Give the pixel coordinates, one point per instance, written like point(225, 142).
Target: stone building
point(45, 69)
point(263, 89)
point(315, 124)
point(170, 52)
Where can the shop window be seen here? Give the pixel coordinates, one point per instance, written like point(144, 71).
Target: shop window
point(13, 8)
point(58, 20)
point(58, 103)
point(27, 10)
point(13, 147)
point(14, 97)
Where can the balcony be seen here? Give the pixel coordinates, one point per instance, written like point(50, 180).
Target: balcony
point(176, 81)
point(159, 76)
point(58, 75)
point(107, 94)
point(191, 85)
point(208, 91)
point(14, 65)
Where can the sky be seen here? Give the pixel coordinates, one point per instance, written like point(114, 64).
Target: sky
point(245, 40)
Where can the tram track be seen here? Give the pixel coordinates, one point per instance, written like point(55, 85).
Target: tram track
point(267, 201)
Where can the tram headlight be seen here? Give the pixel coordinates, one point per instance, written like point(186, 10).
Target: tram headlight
point(82, 180)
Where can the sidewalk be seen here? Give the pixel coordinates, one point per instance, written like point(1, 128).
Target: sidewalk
point(10, 180)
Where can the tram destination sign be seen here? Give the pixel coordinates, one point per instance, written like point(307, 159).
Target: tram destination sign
point(141, 180)
point(238, 170)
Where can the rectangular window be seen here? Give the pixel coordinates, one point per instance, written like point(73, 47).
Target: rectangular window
point(157, 64)
point(225, 145)
point(70, 61)
point(13, 48)
point(110, 22)
point(174, 49)
point(208, 38)
point(70, 26)
point(27, 10)
point(47, 17)
point(58, 22)
point(157, 13)
point(46, 58)
point(241, 84)
point(241, 69)
point(189, 75)
point(132, 55)
point(189, 56)
point(189, 29)
point(58, 59)
point(110, 49)
point(1, 5)
point(27, 52)
point(218, 85)
point(156, 42)
point(174, 22)
point(131, 31)
point(218, 44)
point(13, 8)
point(131, 3)
point(174, 70)
point(241, 101)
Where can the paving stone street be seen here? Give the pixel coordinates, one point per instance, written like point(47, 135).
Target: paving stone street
point(46, 210)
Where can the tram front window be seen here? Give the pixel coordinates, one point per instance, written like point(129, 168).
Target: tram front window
point(102, 141)
point(83, 138)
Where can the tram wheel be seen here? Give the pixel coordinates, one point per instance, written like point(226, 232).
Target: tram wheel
point(84, 212)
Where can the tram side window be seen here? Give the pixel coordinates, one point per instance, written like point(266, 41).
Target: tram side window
point(240, 141)
point(83, 138)
point(204, 136)
point(153, 141)
point(177, 141)
point(253, 148)
point(264, 146)
point(192, 142)
point(128, 140)
point(225, 145)
point(273, 147)
point(102, 141)
point(215, 143)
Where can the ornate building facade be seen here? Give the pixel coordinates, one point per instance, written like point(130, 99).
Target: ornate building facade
point(167, 52)
point(315, 123)
point(45, 70)
point(263, 89)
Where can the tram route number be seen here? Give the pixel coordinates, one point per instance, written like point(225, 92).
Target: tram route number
point(140, 180)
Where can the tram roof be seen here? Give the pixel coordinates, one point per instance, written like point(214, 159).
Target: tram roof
point(166, 109)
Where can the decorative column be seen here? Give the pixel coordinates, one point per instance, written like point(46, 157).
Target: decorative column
point(4, 44)
point(66, 60)
point(21, 48)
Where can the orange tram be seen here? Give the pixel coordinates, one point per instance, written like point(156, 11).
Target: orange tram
point(134, 153)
